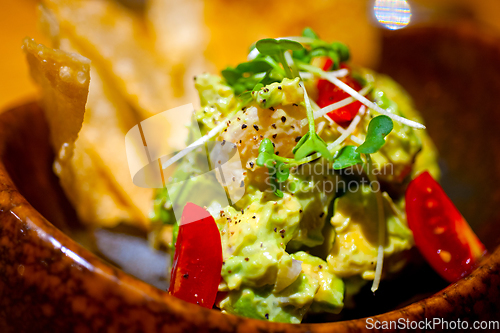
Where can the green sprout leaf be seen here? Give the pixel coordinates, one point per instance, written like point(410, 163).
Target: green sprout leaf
point(247, 97)
point(266, 154)
point(281, 173)
point(308, 32)
point(271, 46)
point(311, 143)
point(231, 75)
point(267, 158)
point(342, 50)
point(257, 65)
point(378, 129)
point(277, 48)
point(346, 157)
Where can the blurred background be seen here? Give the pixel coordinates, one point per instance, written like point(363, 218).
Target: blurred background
point(232, 25)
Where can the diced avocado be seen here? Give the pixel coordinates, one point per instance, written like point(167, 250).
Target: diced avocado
point(254, 239)
point(330, 294)
point(285, 93)
point(217, 99)
point(287, 306)
point(354, 251)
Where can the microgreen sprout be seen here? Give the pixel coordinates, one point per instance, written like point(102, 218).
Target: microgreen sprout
point(378, 128)
point(277, 48)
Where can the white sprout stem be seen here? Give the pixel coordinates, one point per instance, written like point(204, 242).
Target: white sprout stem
point(381, 228)
point(332, 107)
point(354, 138)
point(314, 106)
point(213, 132)
point(338, 73)
point(350, 129)
point(369, 103)
point(308, 108)
point(291, 64)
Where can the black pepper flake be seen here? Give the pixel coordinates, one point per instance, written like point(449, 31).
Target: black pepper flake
point(282, 236)
point(292, 127)
point(261, 136)
point(223, 262)
point(238, 118)
point(242, 212)
point(253, 216)
point(320, 267)
point(240, 141)
point(251, 164)
point(271, 108)
point(246, 259)
point(322, 214)
point(244, 126)
point(277, 153)
point(282, 231)
point(264, 101)
point(267, 315)
point(279, 87)
point(242, 183)
point(295, 104)
point(185, 275)
point(300, 211)
point(275, 229)
point(297, 139)
point(273, 144)
point(274, 136)
point(256, 127)
point(261, 244)
point(283, 119)
point(273, 126)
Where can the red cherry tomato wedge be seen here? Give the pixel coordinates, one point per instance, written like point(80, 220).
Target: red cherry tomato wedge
point(328, 93)
point(441, 233)
point(196, 270)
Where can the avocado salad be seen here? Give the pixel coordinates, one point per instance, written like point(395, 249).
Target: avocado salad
point(327, 150)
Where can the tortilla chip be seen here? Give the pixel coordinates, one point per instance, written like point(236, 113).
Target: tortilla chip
point(91, 162)
point(180, 38)
point(117, 40)
point(64, 78)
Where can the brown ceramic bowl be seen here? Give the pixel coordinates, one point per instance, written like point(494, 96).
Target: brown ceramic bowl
point(50, 283)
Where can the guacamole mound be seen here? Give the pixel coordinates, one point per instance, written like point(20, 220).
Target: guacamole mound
point(288, 256)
